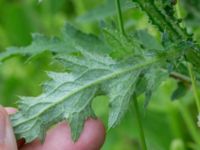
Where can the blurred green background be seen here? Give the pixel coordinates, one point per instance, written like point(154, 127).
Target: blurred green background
point(168, 125)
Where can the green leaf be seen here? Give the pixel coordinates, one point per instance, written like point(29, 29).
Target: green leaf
point(180, 91)
point(59, 102)
point(64, 44)
point(103, 11)
point(159, 17)
point(76, 121)
point(40, 44)
point(148, 41)
point(69, 95)
point(120, 95)
point(121, 46)
point(91, 72)
point(168, 24)
point(154, 76)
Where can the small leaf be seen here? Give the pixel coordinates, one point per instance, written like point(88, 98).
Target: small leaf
point(148, 41)
point(180, 91)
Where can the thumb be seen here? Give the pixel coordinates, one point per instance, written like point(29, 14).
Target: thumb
point(7, 139)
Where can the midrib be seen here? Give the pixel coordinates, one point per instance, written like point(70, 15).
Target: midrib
point(100, 80)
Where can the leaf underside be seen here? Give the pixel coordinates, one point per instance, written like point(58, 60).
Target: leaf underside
point(91, 71)
point(114, 65)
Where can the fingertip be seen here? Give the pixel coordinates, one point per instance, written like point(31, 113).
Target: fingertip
point(3, 118)
point(93, 135)
point(3, 111)
point(10, 110)
point(59, 137)
point(7, 139)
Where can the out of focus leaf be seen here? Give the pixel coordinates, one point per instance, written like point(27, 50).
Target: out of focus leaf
point(104, 11)
point(180, 91)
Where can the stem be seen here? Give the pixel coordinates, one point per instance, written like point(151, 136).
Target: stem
point(162, 20)
point(189, 122)
point(119, 16)
point(178, 12)
point(122, 30)
point(142, 136)
point(180, 77)
point(194, 87)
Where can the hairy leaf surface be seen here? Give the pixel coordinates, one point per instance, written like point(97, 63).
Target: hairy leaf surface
point(66, 43)
point(118, 67)
point(68, 96)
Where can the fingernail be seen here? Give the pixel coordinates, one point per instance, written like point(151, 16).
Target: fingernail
point(2, 125)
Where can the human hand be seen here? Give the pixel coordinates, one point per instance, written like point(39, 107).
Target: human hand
point(58, 138)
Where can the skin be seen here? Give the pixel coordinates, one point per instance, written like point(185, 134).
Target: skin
point(57, 138)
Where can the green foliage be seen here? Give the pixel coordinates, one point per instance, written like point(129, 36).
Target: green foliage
point(162, 19)
point(65, 44)
point(180, 91)
point(113, 64)
point(104, 11)
point(69, 95)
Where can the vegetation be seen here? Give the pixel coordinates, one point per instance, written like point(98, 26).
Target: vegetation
point(136, 60)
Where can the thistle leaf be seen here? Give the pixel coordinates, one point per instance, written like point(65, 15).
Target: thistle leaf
point(121, 46)
point(68, 96)
point(120, 96)
point(66, 43)
point(93, 67)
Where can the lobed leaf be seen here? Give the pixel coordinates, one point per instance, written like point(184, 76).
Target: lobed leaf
point(68, 96)
point(94, 67)
point(70, 37)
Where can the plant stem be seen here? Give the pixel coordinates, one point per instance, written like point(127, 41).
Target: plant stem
point(189, 122)
point(180, 77)
point(142, 136)
point(194, 87)
point(119, 16)
point(122, 30)
point(178, 12)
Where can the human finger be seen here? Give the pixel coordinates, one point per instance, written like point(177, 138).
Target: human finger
point(7, 138)
point(59, 138)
